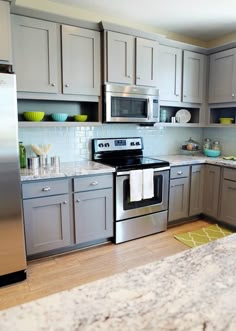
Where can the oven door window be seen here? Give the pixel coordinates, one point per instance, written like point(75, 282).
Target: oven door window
point(157, 199)
point(129, 107)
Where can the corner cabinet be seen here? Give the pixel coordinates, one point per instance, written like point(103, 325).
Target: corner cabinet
point(43, 67)
point(228, 197)
point(130, 60)
point(5, 33)
point(196, 189)
point(211, 190)
point(222, 77)
point(46, 209)
point(93, 208)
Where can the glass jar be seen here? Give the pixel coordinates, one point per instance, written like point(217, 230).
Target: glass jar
point(216, 145)
point(163, 115)
point(191, 145)
point(207, 144)
point(22, 155)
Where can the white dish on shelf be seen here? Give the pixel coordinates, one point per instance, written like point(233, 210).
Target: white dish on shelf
point(183, 116)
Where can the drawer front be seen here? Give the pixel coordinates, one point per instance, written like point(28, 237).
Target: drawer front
point(92, 183)
point(44, 188)
point(179, 172)
point(230, 174)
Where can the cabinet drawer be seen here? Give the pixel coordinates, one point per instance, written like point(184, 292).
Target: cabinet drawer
point(230, 174)
point(179, 172)
point(92, 183)
point(44, 188)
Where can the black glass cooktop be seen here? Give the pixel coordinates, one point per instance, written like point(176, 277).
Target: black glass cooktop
point(130, 163)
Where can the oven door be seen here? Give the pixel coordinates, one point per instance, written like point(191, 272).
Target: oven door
point(126, 209)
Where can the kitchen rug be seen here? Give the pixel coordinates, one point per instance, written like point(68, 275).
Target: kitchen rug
point(203, 236)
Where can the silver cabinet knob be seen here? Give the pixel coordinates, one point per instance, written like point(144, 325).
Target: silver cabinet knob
point(138, 77)
point(46, 188)
point(65, 202)
point(53, 84)
point(77, 200)
point(94, 183)
point(233, 95)
point(179, 172)
point(129, 76)
point(177, 95)
point(67, 85)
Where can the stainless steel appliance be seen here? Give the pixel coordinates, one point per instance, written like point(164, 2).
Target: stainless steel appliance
point(134, 219)
point(12, 244)
point(131, 104)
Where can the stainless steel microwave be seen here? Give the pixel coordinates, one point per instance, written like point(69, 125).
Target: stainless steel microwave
point(130, 104)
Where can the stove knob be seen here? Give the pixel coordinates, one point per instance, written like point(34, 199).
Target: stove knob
point(137, 143)
point(100, 145)
point(132, 143)
point(107, 144)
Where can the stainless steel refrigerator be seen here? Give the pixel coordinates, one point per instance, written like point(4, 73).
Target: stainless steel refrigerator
point(12, 243)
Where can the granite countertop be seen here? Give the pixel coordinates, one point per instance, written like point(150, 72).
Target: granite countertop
point(190, 291)
point(67, 169)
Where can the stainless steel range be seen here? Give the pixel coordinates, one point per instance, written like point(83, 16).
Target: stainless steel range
point(141, 187)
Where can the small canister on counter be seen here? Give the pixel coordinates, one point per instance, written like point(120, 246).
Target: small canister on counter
point(207, 144)
point(216, 145)
point(33, 162)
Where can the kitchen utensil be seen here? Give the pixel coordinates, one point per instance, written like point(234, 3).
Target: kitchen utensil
point(59, 117)
point(41, 150)
point(43, 160)
point(183, 116)
point(226, 120)
point(33, 162)
point(80, 118)
point(212, 152)
point(35, 116)
point(55, 161)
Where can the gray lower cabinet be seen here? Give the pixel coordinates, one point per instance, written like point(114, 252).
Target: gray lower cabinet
point(5, 32)
point(93, 208)
point(179, 193)
point(46, 208)
point(196, 190)
point(211, 190)
point(228, 197)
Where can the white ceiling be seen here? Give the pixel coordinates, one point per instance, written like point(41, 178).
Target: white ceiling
point(201, 19)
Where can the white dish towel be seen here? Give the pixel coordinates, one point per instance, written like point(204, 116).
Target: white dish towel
point(148, 183)
point(136, 185)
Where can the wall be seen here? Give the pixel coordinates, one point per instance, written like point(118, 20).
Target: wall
point(74, 143)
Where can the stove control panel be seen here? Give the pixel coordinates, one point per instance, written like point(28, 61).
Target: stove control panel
point(117, 144)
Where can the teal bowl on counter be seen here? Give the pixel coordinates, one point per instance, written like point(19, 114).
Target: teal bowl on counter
point(59, 117)
point(212, 152)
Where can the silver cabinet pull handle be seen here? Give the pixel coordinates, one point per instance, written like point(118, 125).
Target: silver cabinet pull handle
point(232, 94)
point(94, 183)
point(129, 76)
point(77, 200)
point(65, 202)
point(67, 85)
point(138, 77)
point(179, 172)
point(53, 84)
point(46, 188)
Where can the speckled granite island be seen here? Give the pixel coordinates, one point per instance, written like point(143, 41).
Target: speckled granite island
point(193, 290)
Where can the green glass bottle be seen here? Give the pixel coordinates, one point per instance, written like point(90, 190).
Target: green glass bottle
point(22, 155)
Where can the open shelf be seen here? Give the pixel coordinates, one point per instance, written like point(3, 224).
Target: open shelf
point(217, 112)
point(171, 111)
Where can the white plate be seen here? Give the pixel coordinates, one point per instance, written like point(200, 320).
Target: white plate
point(183, 116)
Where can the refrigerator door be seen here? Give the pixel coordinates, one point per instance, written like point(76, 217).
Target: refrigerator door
point(12, 244)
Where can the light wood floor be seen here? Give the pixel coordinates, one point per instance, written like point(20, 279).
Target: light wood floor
point(54, 274)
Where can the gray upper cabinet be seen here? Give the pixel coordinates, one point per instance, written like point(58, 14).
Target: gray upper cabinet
point(130, 60)
point(5, 32)
point(194, 77)
point(35, 50)
point(120, 58)
point(222, 80)
point(196, 190)
point(169, 73)
point(228, 197)
point(80, 61)
point(211, 190)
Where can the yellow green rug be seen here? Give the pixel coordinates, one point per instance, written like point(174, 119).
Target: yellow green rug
point(203, 236)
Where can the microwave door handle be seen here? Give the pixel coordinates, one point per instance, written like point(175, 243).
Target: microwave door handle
point(150, 110)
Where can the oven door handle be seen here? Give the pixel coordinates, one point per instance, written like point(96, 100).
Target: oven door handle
point(125, 173)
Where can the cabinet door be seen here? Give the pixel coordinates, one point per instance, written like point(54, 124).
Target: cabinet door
point(228, 202)
point(196, 190)
point(146, 62)
point(194, 70)
point(178, 199)
point(120, 58)
point(35, 50)
point(211, 190)
point(5, 34)
point(80, 61)
point(222, 80)
point(169, 73)
point(47, 223)
point(93, 215)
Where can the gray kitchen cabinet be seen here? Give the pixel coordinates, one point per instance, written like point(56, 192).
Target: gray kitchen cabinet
point(35, 55)
point(130, 60)
point(46, 210)
point(211, 190)
point(93, 208)
point(228, 197)
point(222, 77)
point(169, 73)
point(80, 61)
point(5, 32)
point(179, 193)
point(196, 190)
